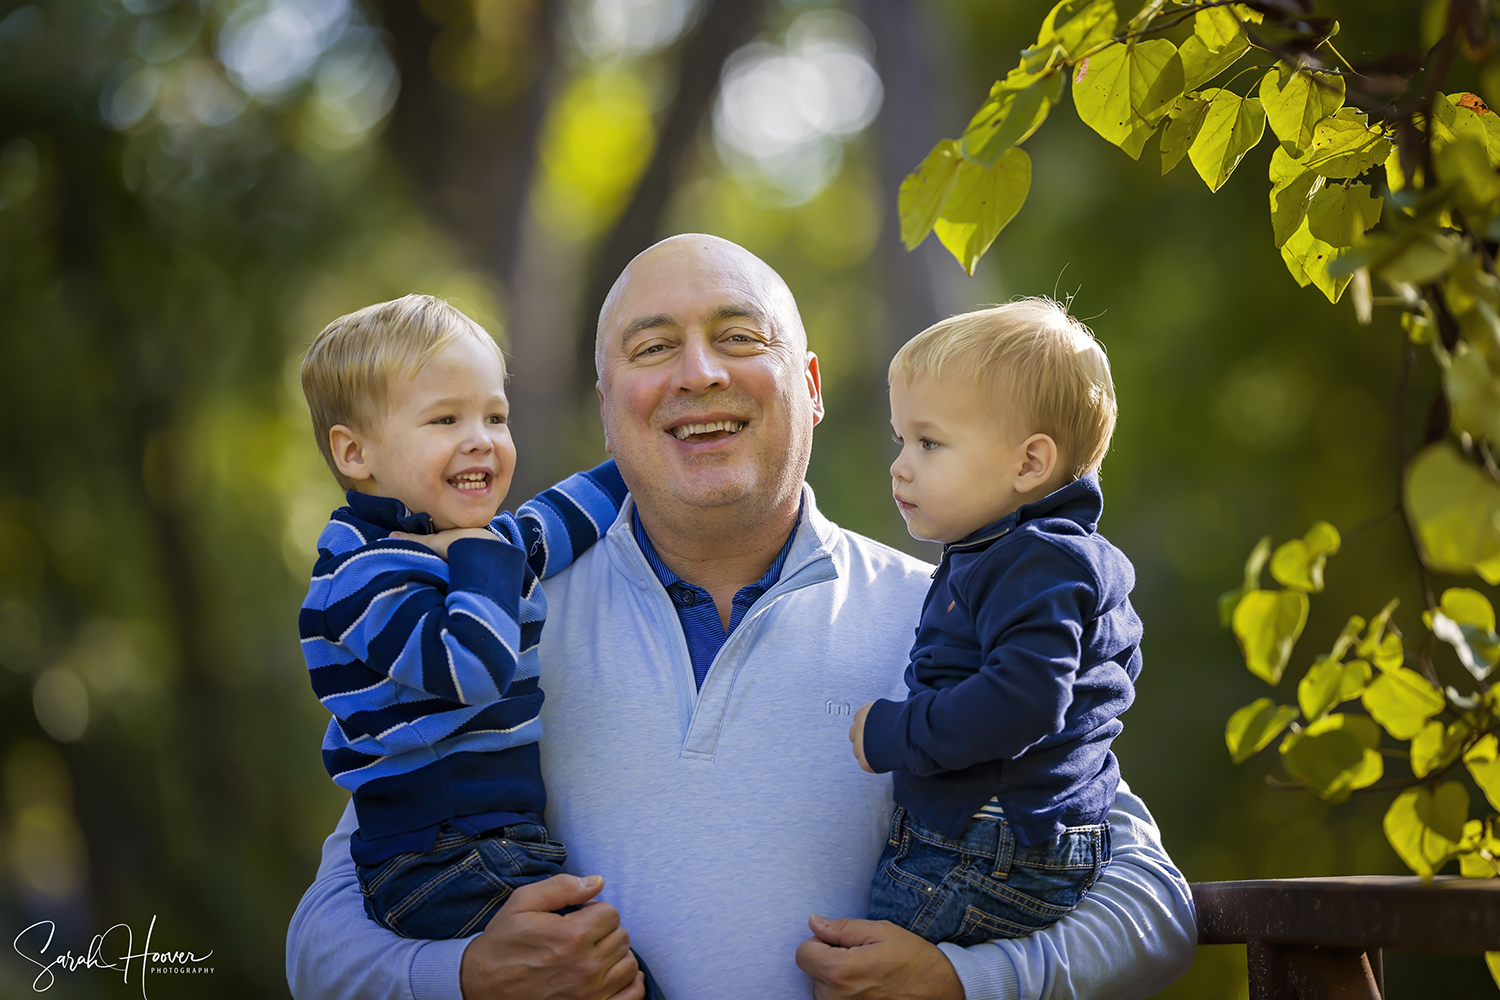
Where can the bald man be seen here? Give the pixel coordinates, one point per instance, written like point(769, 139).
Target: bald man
point(700, 663)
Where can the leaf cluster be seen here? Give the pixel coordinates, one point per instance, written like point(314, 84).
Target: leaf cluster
point(1335, 753)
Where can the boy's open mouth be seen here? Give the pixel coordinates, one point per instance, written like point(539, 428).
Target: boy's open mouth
point(711, 431)
point(476, 482)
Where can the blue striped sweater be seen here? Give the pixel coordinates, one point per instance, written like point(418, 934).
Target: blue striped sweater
point(429, 667)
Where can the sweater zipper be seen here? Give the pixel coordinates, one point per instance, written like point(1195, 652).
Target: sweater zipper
point(952, 546)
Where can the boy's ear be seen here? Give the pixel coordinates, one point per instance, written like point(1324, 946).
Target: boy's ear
point(1038, 462)
point(348, 453)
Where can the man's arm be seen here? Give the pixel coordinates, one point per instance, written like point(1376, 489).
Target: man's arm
point(335, 952)
point(1134, 933)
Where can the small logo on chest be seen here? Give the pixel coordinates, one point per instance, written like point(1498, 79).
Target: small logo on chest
point(836, 707)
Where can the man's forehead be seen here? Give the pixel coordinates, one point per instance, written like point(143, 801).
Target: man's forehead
point(673, 280)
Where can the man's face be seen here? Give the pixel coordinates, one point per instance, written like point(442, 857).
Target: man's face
point(707, 396)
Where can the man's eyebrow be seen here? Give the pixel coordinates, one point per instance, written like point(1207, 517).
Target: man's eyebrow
point(735, 310)
point(644, 323)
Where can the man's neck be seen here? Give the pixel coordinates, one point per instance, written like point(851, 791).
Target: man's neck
point(721, 549)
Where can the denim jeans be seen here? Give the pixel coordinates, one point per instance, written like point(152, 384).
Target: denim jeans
point(453, 890)
point(983, 885)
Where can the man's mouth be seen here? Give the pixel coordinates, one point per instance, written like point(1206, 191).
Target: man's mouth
point(472, 482)
point(707, 432)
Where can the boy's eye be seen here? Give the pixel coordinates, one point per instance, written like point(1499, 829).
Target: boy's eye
point(897, 438)
point(444, 420)
point(928, 445)
point(496, 418)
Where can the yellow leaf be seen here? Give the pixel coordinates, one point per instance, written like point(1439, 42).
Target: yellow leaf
point(980, 203)
point(1122, 91)
point(1436, 746)
point(924, 190)
point(1267, 624)
point(1334, 755)
point(1216, 42)
point(1485, 768)
point(1328, 683)
point(1468, 607)
point(1299, 563)
point(1402, 701)
point(1456, 507)
point(1425, 827)
point(1308, 258)
point(1232, 127)
point(1296, 100)
point(1253, 727)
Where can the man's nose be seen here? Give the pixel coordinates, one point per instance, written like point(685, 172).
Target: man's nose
point(700, 368)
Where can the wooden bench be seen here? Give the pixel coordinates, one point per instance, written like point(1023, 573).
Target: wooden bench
point(1321, 938)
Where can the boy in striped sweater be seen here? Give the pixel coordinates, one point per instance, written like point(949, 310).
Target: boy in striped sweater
point(421, 623)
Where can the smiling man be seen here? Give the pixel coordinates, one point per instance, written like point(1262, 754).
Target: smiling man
point(700, 664)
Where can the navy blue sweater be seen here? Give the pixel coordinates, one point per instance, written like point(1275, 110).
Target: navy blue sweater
point(429, 667)
point(1027, 652)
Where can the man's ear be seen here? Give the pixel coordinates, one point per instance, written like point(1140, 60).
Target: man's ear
point(815, 387)
point(1038, 462)
point(348, 451)
point(603, 417)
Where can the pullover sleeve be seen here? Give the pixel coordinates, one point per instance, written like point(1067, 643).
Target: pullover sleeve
point(1133, 934)
point(384, 608)
point(561, 522)
point(1028, 610)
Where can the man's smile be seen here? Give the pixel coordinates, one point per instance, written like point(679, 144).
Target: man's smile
point(706, 428)
point(703, 432)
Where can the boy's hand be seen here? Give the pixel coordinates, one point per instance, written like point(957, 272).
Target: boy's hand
point(857, 736)
point(439, 541)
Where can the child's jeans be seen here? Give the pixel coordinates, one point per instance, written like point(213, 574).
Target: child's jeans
point(983, 885)
point(454, 890)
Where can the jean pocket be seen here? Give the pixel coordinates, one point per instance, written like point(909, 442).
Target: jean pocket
point(1009, 914)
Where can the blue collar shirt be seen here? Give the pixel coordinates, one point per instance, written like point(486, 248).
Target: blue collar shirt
point(701, 625)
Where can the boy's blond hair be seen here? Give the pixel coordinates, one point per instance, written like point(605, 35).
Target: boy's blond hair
point(1031, 352)
point(346, 373)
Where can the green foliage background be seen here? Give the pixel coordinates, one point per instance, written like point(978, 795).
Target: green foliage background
point(159, 489)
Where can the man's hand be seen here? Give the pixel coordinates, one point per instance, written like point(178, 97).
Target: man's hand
point(439, 541)
point(857, 736)
point(528, 952)
point(874, 960)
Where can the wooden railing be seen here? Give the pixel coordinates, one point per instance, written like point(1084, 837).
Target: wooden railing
point(1321, 938)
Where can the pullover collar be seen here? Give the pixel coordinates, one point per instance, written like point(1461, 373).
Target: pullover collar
point(1081, 501)
point(388, 513)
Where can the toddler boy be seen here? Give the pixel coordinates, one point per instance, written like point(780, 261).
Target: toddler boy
point(1027, 648)
point(421, 623)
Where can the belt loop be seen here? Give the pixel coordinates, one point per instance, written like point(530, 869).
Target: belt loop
point(1005, 850)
